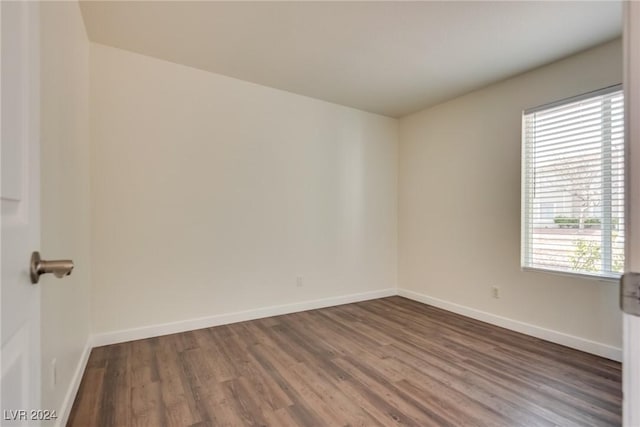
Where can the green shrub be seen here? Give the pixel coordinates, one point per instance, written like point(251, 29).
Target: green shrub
point(573, 222)
point(592, 223)
point(566, 222)
point(586, 256)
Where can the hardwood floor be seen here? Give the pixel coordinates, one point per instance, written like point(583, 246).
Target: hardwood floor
point(384, 362)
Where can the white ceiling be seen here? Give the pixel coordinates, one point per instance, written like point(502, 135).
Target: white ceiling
point(391, 58)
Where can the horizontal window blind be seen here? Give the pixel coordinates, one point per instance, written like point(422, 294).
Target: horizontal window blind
point(573, 185)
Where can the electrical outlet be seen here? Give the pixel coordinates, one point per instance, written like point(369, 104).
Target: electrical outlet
point(54, 373)
point(495, 291)
point(299, 282)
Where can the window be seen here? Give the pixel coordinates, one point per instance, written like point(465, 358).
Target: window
point(573, 185)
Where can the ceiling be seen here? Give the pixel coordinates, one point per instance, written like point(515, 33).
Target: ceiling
point(391, 58)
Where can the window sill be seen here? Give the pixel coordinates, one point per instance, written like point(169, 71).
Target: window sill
point(605, 279)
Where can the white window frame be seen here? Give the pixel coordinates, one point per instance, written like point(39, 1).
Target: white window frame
point(526, 201)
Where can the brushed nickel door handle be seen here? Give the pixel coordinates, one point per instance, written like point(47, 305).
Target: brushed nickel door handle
point(59, 267)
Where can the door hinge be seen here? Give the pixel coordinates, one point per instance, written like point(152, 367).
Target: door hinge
point(630, 293)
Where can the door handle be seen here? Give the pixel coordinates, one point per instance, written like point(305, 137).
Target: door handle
point(59, 267)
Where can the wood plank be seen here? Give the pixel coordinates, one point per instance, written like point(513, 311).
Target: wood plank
point(383, 362)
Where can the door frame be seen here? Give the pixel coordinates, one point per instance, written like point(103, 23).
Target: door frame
point(631, 324)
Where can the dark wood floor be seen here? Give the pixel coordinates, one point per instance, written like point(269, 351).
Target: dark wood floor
point(376, 363)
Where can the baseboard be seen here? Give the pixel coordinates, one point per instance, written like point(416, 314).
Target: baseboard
point(227, 318)
point(588, 346)
point(72, 390)
point(578, 343)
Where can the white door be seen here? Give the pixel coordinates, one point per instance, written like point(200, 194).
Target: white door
point(20, 200)
point(631, 338)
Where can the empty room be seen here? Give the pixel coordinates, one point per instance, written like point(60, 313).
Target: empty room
point(369, 213)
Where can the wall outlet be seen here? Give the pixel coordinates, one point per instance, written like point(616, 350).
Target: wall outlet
point(54, 373)
point(299, 282)
point(495, 292)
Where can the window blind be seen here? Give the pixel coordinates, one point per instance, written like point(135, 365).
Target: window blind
point(573, 185)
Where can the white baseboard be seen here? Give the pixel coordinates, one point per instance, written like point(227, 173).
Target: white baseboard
point(114, 337)
point(72, 391)
point(582, 344)
point(593, 347)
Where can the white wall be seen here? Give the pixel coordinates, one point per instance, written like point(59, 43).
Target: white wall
point(210, 194)
point(65, 204)
point(459, 204)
